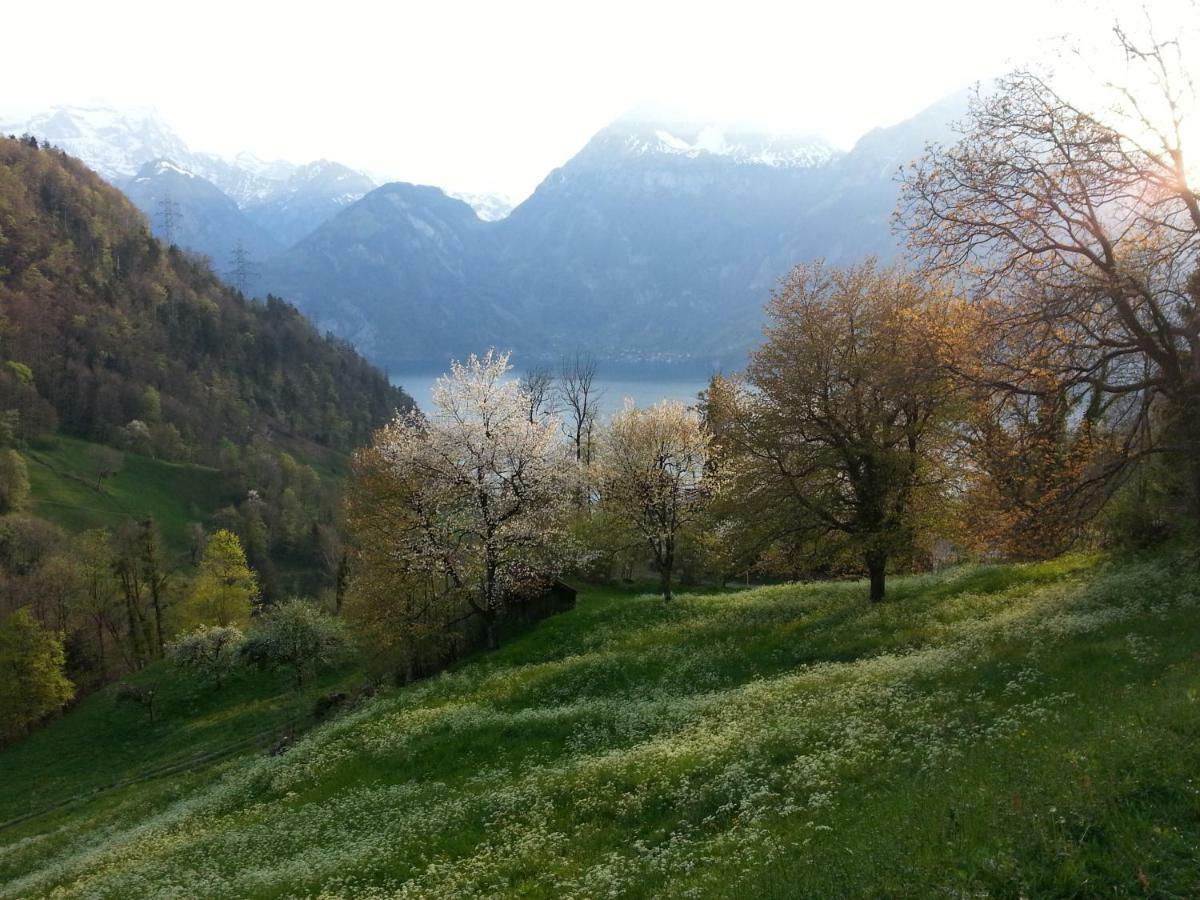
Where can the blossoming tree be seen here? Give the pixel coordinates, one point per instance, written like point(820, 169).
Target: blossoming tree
point(653, 474)
point(477, 490)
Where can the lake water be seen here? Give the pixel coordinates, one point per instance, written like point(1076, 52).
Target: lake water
point(612, 391)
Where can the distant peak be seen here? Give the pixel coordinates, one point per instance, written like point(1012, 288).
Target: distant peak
point(162, 167)
point(634, 136)
point(491, 207)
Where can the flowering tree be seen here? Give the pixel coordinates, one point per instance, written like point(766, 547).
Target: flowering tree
point(209, 651)
point(476, 491)
point(298, 635)
point(653, 474)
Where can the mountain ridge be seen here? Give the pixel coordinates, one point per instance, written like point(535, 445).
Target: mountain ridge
point(648, 247)
point(656, 245)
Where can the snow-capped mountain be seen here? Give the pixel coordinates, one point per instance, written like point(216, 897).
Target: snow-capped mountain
point(286, 200)
point(740, 146)
point(489, 207)
point(657, 242)
point(309, 195)
point(115, 143)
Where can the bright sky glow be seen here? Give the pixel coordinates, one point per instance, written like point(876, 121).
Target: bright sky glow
point(490, 96)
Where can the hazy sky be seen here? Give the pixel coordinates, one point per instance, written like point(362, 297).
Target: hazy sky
point(490, 96)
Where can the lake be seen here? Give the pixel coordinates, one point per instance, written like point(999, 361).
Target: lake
point(612, 391)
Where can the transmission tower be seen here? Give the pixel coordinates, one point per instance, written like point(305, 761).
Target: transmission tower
point(242, 270)
point(168, 218)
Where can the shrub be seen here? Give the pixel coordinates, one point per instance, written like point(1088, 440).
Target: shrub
point(210, 651)
point(296, 635)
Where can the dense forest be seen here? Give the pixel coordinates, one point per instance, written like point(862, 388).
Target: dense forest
point(109, 335)
point(150, 415)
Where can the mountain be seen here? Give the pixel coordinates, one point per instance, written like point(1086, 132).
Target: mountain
point(649, 241)
point(202, 217)
point(307, 196)
point(114, 143)
point(104, 325)
point(401, 241)
point(283, 201)
point(490, 207)
point(657, 244)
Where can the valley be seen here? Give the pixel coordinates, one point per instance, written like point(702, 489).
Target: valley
point(600, 451)
point(654, 246)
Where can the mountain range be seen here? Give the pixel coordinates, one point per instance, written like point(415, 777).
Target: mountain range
point(657, 244)
point(218, 204)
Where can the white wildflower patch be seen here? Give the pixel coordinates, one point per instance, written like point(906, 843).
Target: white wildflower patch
point(639, 757)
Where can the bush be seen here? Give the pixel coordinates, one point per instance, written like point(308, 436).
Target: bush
point(210, 651)
point(296, 635)
point(135, 693)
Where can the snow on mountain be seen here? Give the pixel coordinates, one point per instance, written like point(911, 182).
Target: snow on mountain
point(647, 131)
point(287, 199)
point(489, 207)
point(160, 167)
point(746, 148)
point(116, 143)
point(272, 170)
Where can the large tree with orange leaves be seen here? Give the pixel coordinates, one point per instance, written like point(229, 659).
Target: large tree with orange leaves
point(847, 419)
point(1078, 224)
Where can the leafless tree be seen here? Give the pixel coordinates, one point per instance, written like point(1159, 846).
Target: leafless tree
point(105, 462)
point(579, 398)
point(538, 386)
point(1078, 225)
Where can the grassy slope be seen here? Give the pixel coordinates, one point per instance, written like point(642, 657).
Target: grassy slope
point(63, 483)
point(1001, 731)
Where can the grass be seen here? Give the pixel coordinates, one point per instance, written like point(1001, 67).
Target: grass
point(103, 741)
point(63, 482)
point(992, 731)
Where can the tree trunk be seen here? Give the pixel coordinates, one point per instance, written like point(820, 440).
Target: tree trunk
point(100, 646)
point(666, 568)
point(1193, 465)
point(489, 624)
point(877, 570)
point(159, 640)
point(343, 577)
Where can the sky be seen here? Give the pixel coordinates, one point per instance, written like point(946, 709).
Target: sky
point(490, 96)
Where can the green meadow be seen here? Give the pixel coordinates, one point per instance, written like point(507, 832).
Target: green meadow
point(990, 731)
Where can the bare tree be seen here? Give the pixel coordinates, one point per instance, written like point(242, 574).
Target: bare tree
point(1079, 225)
point(105, 461)
point(579, 399)
point(538, 386)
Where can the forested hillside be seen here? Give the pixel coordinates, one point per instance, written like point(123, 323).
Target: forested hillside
point(163, 439)
point(104, 327)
